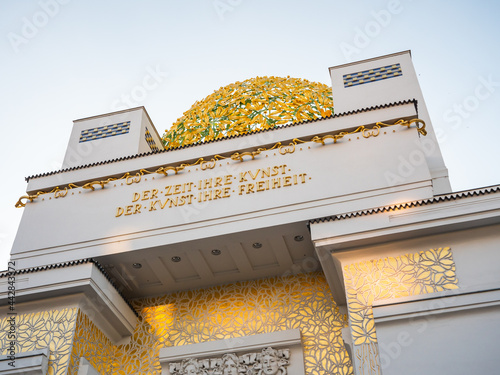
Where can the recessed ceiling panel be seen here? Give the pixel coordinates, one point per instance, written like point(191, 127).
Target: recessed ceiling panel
point(219, 260)
point(299, 246)
point(179, 266)
point(260, 254)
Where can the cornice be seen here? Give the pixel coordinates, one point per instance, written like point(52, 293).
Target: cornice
point(422, 202)
point(294, 124)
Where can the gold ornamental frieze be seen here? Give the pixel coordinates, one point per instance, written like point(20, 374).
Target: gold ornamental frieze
point(278, 176)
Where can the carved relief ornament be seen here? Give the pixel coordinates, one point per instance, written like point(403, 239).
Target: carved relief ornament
point(269, 361)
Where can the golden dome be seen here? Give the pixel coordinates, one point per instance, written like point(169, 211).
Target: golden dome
point(248, 106)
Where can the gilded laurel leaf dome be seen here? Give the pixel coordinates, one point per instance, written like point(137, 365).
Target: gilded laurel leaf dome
point(248, 106)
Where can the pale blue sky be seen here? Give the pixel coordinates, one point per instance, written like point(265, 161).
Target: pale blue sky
point(67, 59)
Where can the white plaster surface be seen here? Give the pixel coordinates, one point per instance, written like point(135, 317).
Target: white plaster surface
point(91, 292)
point(389, 90)
point(464, 341)
point(228, 146)
point(131, 143)
point(28, 363)
point(84, 223)
point(455, 331)
point(85, 368)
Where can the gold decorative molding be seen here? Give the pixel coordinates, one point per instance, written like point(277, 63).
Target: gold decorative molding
point(130, 177)
point(394, 277)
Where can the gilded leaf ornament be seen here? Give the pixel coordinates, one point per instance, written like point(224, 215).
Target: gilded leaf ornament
point(245, 308)
point(254, 104)
point(394, 277)
point(53, 329)
point(301, 301)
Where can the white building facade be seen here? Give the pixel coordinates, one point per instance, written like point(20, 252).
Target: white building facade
point(332, 246)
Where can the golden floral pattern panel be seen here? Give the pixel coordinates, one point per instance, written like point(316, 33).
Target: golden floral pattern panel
point(53, 329)
point(139, 356)
point(91, 343)
point(246, 308)
point(411, 274)
point(254, 104)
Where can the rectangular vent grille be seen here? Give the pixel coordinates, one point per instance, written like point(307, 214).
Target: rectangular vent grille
point(372, 75)
point(150, 141)
point(105, 131)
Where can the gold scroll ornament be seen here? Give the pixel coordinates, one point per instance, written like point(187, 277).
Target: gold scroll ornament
point(130, 177)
